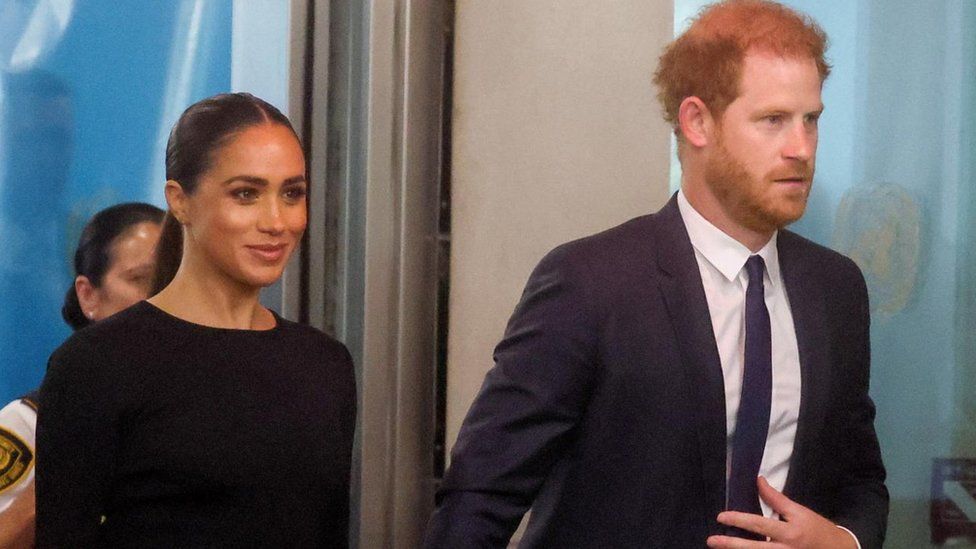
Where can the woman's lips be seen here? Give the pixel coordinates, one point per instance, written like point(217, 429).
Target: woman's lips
point(271, 253)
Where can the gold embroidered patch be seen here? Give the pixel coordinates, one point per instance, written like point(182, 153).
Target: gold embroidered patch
point(15, 459)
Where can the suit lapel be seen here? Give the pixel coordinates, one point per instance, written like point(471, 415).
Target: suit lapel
point(687, 307)
point(806, 296)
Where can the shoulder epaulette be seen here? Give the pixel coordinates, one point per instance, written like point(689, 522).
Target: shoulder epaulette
point(30, 400)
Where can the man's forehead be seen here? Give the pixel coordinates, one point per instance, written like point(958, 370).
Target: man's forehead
point(758, 55)
point(770, 81)
point(764, 68)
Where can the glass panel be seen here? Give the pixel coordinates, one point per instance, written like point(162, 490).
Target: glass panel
point(894, 191)
point(88, 93)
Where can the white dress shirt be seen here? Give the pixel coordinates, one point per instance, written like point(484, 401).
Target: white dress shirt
point(721, 262)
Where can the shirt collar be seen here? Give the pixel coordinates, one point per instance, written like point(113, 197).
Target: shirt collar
point(725, 253)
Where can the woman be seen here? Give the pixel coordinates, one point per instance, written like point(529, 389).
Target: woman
point(199, 417)
point(113, 269)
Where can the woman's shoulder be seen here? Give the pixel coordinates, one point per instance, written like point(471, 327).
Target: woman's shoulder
point(131, 327)
point(310, 334)
point(98, 359)
point(129, 321)
point(19, 418)
point(309, 338)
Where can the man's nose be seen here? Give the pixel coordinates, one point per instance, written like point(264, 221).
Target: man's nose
point(801, 143)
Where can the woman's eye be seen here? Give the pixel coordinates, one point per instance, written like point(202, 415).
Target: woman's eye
point(141, 280)
point(245, 194)
point(295, 194)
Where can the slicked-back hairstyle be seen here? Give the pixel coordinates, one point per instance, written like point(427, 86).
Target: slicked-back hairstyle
point(706, 60)
point(93, 257)
point(202, 129)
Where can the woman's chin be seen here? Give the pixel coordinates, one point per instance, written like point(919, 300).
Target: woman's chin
point(261, 278)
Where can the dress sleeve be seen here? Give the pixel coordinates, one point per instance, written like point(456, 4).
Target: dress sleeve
point(77, 438)
point(337, 521)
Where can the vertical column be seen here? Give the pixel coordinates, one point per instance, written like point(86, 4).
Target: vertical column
point(557, 134)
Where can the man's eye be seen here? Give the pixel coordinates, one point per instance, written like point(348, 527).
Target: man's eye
point(774, 119)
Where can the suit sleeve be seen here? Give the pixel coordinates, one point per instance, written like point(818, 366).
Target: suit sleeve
point(76, 447)
point(861, 503)
point(522, 418)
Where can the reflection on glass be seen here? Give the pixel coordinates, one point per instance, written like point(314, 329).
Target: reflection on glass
point(32, 29)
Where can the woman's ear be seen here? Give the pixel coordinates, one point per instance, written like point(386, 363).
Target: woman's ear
point(88, 297)
point(176, 200)
point(695, 121)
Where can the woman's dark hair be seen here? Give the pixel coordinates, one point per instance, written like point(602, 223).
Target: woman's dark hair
point(93, 257)
point(202, 129)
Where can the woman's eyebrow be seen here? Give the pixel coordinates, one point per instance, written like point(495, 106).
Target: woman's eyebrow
point(246, 179)
point(254, 180)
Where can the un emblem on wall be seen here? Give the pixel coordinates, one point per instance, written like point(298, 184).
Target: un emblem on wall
point(878, 227)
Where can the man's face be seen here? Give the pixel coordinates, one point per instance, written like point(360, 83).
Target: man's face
point(761, 165)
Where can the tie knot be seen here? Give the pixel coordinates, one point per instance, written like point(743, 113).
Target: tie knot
point(755, 267)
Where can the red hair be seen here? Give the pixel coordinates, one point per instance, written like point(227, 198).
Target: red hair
point(706, 60)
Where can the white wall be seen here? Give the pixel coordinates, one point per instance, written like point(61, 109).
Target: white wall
point(556, 134)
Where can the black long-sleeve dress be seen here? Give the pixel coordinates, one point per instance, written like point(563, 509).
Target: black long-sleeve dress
point(157, 432)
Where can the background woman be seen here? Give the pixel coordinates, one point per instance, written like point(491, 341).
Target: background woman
point(199, 417)
point(113, 267)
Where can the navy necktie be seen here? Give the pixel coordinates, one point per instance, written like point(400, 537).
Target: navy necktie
point(752, 421)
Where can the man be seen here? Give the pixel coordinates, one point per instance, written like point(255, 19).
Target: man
point(699, 375)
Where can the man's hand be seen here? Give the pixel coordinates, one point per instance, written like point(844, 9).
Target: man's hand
point(802, 529)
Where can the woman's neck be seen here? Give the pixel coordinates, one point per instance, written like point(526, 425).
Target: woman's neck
point(213, 300)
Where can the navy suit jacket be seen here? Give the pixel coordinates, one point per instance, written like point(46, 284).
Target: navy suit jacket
point(605, 410)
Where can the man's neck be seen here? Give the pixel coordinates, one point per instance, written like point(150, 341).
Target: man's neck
point(709, 207)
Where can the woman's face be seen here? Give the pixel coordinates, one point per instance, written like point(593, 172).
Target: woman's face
point(129, 276)
point(247, 214)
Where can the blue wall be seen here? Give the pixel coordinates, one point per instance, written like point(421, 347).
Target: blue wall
point(80, 129)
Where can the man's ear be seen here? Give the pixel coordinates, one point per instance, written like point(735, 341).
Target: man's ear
point(176, 199)
point(695, 121)
point(87, 296)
